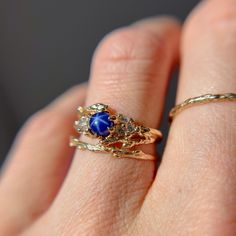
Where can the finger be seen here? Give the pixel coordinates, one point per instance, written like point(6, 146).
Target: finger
point(38, 163)
point(199, 162)
point(130, 73)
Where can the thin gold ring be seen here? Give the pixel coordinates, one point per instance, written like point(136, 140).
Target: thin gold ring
point(207, 98)
point(116, 133)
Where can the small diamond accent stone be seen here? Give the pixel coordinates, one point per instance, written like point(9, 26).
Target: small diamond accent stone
point(120, 130)
point(131, 127)
point(82, 124)
point(98, 107)
point(123, 119)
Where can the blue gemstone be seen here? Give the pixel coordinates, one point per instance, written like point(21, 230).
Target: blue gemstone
point(99, 123)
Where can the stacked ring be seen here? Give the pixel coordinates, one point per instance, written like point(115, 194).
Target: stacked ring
point(116, 133)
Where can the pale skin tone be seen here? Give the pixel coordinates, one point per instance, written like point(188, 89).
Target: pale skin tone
point(48, 188)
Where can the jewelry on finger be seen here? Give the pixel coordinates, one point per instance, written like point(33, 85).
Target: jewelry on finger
point(207, 98)
point(116, 133)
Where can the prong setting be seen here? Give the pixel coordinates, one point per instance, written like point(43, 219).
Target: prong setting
point(112, 130)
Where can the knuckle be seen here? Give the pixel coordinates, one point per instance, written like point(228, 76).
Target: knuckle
point(224, 20)
point(129, 54)
point(218, 20)
point(131, 43)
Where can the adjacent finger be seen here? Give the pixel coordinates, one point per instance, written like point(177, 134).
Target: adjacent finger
point(38, 163)
point(199, 165)
point(130, 73)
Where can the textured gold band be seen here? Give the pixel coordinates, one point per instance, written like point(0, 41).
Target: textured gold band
point(200, 100)
point(116, 152)
point(116, 133)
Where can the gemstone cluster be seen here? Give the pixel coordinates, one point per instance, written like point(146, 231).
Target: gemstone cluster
point(98, 121)
point(115, 133)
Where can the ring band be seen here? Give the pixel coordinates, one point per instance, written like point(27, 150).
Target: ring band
point(116, 133)
point(200, 100)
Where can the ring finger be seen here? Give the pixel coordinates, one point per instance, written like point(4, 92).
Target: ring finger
point(130, 73)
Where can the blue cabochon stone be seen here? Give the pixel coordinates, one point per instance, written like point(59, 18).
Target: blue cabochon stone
point(99, 123)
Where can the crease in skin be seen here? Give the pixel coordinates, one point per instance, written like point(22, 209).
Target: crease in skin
point(90, 195)
point(199, 196)
point(122, 45)
point(108, 163)
point(210, 139)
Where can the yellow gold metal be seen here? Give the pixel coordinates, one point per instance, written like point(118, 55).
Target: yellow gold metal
point(123, 135)
point(116, 152)
point(200, 100)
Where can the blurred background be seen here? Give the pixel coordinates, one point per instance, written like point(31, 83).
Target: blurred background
point(46, 47)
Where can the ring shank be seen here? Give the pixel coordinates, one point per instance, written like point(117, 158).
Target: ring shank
point(207, 98)
point(118, 153)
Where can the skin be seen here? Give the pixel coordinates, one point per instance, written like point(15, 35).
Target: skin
point(48, 188)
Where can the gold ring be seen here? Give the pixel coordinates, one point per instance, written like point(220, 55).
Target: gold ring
point(116, 133)
point(200, 100)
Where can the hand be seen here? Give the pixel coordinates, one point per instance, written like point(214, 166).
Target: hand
point(193, 192)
